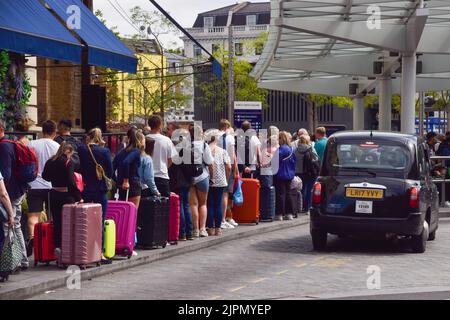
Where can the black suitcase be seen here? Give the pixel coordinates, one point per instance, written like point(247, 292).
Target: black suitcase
point(153, 223)
point(267, 204)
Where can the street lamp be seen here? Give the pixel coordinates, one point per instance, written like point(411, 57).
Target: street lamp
point(161, 49)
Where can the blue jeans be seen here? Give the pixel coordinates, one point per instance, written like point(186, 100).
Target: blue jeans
point(185, 214)
point(308, 185)
point(215, 211)
point(100, 198)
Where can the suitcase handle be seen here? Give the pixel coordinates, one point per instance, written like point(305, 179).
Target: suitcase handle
point(116, 196)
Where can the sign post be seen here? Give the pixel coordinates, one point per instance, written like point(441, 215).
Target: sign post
point(248, 111)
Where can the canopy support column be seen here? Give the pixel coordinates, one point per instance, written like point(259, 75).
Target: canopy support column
point(358, 113)
point(385, 104)
point(408, 108)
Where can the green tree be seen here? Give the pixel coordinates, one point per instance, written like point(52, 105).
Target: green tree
point(316, 101)
point(169, 91)
point(214, 91)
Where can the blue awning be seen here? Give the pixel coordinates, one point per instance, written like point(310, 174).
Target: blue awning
point(27, 27)
point(105, 49)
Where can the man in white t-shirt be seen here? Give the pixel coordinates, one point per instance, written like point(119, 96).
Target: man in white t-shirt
point(45, 148)
point(163, 154)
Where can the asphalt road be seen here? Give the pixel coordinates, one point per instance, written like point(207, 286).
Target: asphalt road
point(282, 265)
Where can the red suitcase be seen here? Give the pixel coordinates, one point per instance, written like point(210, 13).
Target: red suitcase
point(81, 235)
point(124, 215)
point(174, 218)
point(249, 211)
point(44, 246)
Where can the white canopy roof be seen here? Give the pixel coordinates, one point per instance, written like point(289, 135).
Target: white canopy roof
point(323, 46)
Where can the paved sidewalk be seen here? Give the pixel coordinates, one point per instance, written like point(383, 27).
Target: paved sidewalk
point(46, 278)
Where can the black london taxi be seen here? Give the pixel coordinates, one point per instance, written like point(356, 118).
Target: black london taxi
point(375, 183)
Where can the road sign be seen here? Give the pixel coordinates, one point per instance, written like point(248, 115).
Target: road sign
point(248, 111)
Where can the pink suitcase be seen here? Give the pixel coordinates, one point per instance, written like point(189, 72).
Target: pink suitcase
point(81, 235)
point(174, 218)
point(124, 215)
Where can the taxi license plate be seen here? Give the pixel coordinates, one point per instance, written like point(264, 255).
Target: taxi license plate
point(364, 193)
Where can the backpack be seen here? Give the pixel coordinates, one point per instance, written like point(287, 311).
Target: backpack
point(27, 164)
point(246, 150)
point(311, 164)
point(193, 170)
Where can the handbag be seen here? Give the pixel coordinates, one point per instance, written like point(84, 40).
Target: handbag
point(78, 179)
point(100, 172)
point(238, 196)
point(11, 255)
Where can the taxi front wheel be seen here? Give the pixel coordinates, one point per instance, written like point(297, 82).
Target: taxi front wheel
point(319, 239)
point(419, 243)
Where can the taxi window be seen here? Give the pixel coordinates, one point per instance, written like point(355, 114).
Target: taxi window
point(368, 155)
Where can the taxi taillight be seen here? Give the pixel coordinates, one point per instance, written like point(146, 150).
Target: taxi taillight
point(317, 193)
point(414, 198)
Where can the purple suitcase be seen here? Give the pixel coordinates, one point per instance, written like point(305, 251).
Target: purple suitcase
point(81, 235)
point(124, 215)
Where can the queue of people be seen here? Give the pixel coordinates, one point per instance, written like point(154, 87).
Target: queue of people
point(201, 168)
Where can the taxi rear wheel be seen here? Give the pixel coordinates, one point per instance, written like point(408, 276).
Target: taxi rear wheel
point(419, 243)
point(319, 239)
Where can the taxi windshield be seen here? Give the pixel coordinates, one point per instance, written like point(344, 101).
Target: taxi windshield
point(368, 157)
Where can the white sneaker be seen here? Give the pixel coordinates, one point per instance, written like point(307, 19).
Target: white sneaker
point(226, 225)
point(134, 254)
point(203, 233)
point(278, 218)
point(289, 217)
point(447, 204)
point(232, 222)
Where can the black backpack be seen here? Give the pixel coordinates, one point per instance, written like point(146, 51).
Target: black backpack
point(246, 150)
point(311, 164)
point(193, 170)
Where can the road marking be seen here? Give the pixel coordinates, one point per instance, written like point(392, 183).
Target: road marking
point(237, 289)
point(301, 265)
point(216, 298)
point(332, 262)
point(259, 280)
point(282, 272)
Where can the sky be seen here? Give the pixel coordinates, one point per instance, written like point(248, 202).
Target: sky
point(184, 11)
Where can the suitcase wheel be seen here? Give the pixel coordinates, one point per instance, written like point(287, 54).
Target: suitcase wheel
point(164, 245)
point(99, 264)
point(35, 264)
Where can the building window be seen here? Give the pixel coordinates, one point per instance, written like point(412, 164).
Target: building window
point(146, 72)
point(215, 48)
point(158, 73)
point(131, 97)
point(259, 49)
point(251, 20)
point(208, 22)
point(197, 51)
point(239, 48)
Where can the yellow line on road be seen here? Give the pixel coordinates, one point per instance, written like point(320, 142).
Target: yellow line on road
point(301, 265)
point(216, 298)
point(282, 272)
point(237, 289)
point(259, 280)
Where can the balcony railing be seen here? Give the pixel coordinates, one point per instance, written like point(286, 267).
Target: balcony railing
point(224, 30)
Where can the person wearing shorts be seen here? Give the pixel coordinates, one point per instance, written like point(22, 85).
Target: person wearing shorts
point(38, 196)
point(127, 165)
